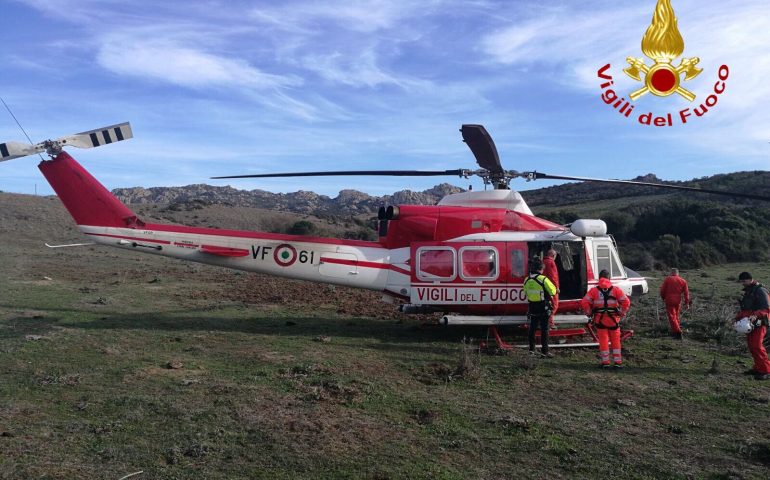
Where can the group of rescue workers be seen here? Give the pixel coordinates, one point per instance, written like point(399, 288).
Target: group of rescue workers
point(606, 306)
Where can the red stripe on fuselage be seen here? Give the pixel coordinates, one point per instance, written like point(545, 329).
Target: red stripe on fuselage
point(361, 263)
point(258, 235)
point(224, 251)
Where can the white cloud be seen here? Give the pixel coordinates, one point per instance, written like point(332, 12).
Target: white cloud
point(357, 71)
point(575, 44)
point(364, 16)
point(184, 65)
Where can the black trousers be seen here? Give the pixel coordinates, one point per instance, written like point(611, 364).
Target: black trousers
point(538, 320)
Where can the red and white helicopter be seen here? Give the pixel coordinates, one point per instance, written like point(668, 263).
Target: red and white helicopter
point(466, 257)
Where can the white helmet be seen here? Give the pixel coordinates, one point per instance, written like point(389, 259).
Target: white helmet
point(744, 326)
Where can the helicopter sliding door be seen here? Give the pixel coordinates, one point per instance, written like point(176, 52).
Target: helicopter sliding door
point(570, 263)
point(467, 277)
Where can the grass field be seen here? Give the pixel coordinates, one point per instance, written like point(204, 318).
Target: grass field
point(111, 364)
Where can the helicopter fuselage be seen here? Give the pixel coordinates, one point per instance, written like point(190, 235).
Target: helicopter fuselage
point(468, 255)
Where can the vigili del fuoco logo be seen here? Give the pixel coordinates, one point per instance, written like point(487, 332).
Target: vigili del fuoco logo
point(663, 44)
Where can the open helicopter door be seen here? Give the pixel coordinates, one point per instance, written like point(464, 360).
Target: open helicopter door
point(571, 264)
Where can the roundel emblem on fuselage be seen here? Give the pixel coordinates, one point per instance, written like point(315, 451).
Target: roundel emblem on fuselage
point(285, 255)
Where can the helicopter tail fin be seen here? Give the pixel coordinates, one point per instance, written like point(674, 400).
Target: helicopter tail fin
point(87, 200)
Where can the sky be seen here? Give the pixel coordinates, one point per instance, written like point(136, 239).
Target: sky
point(245, 87)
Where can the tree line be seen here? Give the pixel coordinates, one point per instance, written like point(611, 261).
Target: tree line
point(685, 233)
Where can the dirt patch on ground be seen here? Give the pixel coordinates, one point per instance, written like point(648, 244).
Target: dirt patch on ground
point(323, 428)
point(161, 371)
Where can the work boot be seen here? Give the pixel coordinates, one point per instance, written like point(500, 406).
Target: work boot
point(751, 371)
point(547, 355)
point(618, 366)
point(532, 352)
point(604, 366)
point(762, 376)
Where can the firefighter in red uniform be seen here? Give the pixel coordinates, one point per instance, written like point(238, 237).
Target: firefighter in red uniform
point(756, 306)
point(672, 290)
point(607, 305)
point(550, 271)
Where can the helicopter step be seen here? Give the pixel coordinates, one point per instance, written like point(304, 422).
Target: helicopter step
point(561, 339)
point(484, 320)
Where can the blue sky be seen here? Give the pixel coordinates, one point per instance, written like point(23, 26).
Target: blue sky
point(237, 87)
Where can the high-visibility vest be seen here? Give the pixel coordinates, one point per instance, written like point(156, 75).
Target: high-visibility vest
point(538, 288)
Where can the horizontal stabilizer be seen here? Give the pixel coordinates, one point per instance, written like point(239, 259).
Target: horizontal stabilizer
point(70, 245)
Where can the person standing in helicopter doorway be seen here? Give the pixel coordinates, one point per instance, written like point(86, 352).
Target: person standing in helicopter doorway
point(551, 271)
point(540, 292)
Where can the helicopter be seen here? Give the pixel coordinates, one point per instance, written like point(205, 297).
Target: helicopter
point(465, 258)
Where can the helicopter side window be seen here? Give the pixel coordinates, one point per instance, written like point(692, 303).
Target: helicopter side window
point(603, 258)
point(518, 263)
point(606, 260)
point(478, 263)
point(436, 263)
point(617, 270)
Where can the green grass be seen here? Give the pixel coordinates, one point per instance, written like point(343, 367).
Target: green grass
point(86, 392)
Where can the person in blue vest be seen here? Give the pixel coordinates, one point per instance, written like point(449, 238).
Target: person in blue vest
point(540, 292)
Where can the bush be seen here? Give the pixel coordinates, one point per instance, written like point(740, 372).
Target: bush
point(666, 250)
point(361, 234)
point(302, 227)
point(636, 256)
point(619, 224)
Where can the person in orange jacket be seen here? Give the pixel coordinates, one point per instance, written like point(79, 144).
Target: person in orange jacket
point(672, 290)
point(607, 305)
point(552, 273)
point(755, 305)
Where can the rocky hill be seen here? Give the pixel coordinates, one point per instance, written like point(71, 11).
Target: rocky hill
point(348, 202)
point(354, 202)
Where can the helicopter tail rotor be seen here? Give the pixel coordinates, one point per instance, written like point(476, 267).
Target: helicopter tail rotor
point(89, 139)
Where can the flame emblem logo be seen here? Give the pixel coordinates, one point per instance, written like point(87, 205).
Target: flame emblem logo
point(663, 43)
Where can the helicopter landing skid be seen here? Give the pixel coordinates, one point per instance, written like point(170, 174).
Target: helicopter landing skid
point(560, 337)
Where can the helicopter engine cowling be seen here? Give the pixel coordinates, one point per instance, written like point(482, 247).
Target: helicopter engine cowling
point(588, 228)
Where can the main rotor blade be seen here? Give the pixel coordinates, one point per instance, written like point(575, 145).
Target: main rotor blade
point(352, 173)
point(538, 175)
point(482, 146)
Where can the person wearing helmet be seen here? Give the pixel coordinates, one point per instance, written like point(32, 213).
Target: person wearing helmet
point(755, 306)
point(607, 305)
point(672, 290)
point(552, 272)
point(539, 291)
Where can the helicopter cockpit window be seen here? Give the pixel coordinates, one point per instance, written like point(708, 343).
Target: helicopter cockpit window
point(606, 260)
point(436, 263)
point(617, 270)
point(478, 263)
